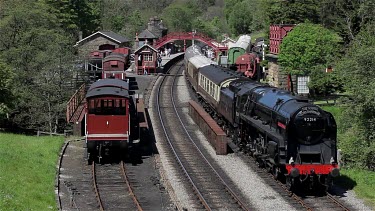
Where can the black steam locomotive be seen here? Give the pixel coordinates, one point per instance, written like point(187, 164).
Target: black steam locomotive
point(289, 136)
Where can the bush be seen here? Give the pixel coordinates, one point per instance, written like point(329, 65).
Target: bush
point(324, 84)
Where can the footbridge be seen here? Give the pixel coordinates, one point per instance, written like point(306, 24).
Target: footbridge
point(189, 36)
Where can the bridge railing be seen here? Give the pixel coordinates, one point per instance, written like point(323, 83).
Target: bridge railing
point(75, 101)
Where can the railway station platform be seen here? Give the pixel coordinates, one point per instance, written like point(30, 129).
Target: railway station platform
point(166, 59)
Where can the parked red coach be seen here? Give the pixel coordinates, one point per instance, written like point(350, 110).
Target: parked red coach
point(114, 66)
point(110, 114)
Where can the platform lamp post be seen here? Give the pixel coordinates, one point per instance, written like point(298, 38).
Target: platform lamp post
point(264, 55)
point(193, 33)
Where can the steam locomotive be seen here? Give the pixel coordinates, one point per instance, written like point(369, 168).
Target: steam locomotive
point(292, 138)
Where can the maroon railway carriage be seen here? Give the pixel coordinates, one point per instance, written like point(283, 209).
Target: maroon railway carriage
point(114, 66)
point(108, 117)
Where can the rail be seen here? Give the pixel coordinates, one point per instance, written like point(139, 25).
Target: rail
point(75, 101)
point(196, 189)
point(330, 197)
point(130, 189)
point(101, 208)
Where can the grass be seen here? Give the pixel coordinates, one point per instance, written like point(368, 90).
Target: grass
point(361, 181)
point(27, 171)
point(334, 110)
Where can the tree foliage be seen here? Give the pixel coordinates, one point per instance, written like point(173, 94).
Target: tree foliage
point(75, 16)
point(245, 16)
point(292, 11)
point(307, 46)
point(358, 70)
point(179, 17)
point(36, 54)
point(324, 84)
point(346, 17)
point(6, 94)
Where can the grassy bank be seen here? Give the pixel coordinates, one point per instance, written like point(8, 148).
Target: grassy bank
point(359, 180)
point(27, 171)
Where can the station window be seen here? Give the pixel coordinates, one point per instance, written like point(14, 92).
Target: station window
point(147, 57)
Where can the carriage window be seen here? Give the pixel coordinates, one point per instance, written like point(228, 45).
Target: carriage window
point(107, 106)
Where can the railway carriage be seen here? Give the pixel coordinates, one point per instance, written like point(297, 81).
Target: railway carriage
point(211, 79)
point(249, 65)
point(114, 66)
point(109, 118)
point(194, 60)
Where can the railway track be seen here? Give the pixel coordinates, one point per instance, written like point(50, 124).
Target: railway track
point(208, 185)
point(310, 203)
point(112, 188)
point(74, 187)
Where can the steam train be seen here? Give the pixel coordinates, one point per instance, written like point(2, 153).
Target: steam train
point(292, 138)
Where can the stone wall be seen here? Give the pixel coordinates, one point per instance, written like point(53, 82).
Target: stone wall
point(93, 45)
point(277, 78)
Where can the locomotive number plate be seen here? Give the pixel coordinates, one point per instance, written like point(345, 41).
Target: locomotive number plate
point(309, 119)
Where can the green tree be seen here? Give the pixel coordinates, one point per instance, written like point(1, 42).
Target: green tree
point(358, 127)
point(323, 84)
point(346, 17)
point(179, 17)
point(307, 46)
point(36, 54)
point(292, 11)
point(229, 7)
point(75, 16)
point(6, 95)
point(135, 24)
point(240, 18)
